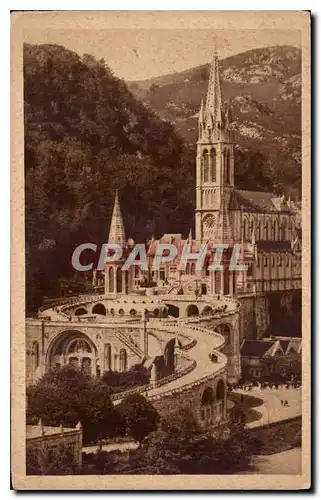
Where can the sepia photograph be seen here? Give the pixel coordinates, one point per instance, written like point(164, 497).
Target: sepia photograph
point(161, 252)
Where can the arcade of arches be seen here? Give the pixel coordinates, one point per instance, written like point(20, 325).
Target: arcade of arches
point(212, 404)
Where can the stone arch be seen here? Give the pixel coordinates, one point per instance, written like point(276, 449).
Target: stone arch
point(154, 345)
point(107, 357)
point(207, 403)
point(192, 310)
point(225, 330)
point(220, 390)
point(207, 310)
point(123, 361)
point(80, 311)
point(169, 356)
point(99, 309)
point(173, 310)
point(111, 279)
point(118, 280)
point(72, 347)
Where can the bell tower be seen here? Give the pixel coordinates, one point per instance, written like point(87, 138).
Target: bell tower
point(214, 164)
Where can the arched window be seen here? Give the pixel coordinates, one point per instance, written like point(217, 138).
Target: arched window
point(119, 280)
point(245, 228)
point(206, 166)
point(107, 356)
point(226, 332)
point(122, 360)
point(228, 168)
point(188, 268)
point(111, 279)
point(121, 312)
point(266, 230)
point(272, 261)
point(275, 232)
point(283, 230)
point(220, 391)
point(193, 268)
point(259, 230)
point(265, 261)
point(213, 164)
point(207, 402)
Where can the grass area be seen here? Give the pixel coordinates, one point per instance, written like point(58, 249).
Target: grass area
point(279, 437)
point(246, 404)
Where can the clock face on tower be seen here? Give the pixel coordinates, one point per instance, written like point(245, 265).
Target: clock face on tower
point(209, 221)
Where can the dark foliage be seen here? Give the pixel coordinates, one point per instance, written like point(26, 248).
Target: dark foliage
point(85, 136)
point(139, 416)
point(136, 376)
point(66, 395)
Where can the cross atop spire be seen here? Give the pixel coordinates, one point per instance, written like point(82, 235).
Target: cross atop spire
point(117, 232)
point(214, 98)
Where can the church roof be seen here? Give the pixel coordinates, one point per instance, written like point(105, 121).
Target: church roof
point(256, 348)
point(260, 201)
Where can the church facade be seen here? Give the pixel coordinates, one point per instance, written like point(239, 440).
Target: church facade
point(265, 226)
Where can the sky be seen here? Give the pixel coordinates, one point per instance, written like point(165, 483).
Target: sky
point(138, 54)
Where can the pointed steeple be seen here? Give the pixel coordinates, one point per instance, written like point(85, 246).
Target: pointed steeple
point(214, 98)
point(117, 232)
point(190, 237)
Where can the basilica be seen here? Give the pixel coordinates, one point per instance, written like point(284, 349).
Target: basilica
point(186, 326)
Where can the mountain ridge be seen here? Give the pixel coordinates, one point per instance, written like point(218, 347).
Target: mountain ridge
point(263, 86)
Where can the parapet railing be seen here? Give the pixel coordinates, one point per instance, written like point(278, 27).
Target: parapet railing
point(145, 388)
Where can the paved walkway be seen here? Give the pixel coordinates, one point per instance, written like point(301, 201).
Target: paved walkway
point(272, 410)
point(123, 446)
point(286, 462)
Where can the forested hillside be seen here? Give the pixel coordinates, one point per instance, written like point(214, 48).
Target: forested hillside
point(85, 136)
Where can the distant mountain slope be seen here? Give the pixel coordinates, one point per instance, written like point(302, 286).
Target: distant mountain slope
point(264, 87)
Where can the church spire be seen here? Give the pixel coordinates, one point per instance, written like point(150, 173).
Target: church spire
point(214, 98)
point(117, 232)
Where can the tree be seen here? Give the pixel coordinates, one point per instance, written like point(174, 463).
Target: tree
point(140, 417)
point(136, 376)
point(48, 461)
point(66, 395)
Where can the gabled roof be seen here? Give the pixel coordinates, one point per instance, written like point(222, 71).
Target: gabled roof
point(256, 348)
point(260, 201)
